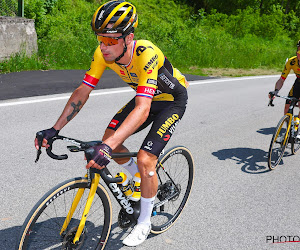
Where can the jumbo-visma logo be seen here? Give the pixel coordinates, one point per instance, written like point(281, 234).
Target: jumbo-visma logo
point(169, 125)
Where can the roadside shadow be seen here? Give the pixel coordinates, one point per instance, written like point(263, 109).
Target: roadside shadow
point(252, 161)
point(117, 235)
point(9, 236)
point(266, 131)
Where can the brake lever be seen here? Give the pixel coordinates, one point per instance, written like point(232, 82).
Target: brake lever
point(271, 103)
point(39, 137)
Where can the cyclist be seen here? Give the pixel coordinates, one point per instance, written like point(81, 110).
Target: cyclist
point(160, 99)
point(291, 63)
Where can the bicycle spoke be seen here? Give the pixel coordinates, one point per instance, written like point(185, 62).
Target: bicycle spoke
point(175, 174)
point(46, 224)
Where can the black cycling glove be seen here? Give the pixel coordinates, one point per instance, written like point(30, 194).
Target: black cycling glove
point(47, 133)
point(273, 93)
point(101, 154)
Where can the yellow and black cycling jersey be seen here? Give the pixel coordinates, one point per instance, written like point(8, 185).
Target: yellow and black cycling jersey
point(291, 63)
point(149, 72)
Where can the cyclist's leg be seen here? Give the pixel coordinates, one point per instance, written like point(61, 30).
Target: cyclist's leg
point(114, 124)
point(288, 102)
point(159, 135)
point(294, 92)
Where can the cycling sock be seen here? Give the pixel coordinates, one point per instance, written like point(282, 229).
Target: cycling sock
point(131, 167)
point(146, 210)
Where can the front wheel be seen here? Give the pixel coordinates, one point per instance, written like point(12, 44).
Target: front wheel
point(42, 227)
point(279, 142)
point(175, 173)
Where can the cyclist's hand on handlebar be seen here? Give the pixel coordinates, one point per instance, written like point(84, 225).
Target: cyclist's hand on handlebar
point(43, 136)
point(273, 93)
point(100, 156)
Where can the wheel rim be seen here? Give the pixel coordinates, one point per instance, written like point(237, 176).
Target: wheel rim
point(278, 144)
point(45, 225)
point(177, 189)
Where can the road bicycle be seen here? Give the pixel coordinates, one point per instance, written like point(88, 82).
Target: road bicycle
point(77, 214)
point(286, 132)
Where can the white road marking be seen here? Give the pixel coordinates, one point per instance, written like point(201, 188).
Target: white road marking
point(51, 98)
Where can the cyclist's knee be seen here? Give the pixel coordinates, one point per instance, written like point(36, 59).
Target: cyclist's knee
point(146, 162)
point(286, 108)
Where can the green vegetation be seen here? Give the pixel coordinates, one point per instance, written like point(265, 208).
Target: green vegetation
point(191, 39)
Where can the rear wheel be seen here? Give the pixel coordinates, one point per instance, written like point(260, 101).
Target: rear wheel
point(295, 144)
point(42, 227)
point(279, 142)
point(175, 172)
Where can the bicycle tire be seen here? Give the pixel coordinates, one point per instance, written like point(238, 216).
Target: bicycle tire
point(41, 229)
point(179, 164)
point(275, 154)
point(295, 145)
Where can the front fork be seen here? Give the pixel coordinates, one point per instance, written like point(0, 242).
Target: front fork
point(291, 131)
point(93, 189)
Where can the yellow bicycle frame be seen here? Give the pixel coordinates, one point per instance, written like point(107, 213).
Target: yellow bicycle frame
point(288, 129)
point(88, 205)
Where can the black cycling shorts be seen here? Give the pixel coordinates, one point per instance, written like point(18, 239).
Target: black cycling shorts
point(164, 116)
point(295, 91)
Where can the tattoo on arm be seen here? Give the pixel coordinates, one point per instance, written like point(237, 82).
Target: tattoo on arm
point(76, 110)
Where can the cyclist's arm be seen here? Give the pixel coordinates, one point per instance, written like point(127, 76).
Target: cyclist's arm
point(73, 106)
point(279, 83)
point(133, 121)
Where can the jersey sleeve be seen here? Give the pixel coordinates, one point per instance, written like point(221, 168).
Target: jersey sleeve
point(96, 70)
point(287, 68)
point(148, 63)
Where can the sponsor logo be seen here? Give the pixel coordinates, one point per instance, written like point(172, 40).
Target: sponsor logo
point(293, 62)
point(149, 145)
point(166, 80)
point(133, 74)
point(101, 15)
point(152, 61)
point(141, 49)
point(119, 195)
point(122, 72)
point(152, 81)
point(57, 195)
point(113, 123)
point(72, 141)
point(179, 151)
point(167, 137)
point(149, 91)
point(169, 125)
point(111, 31)
point(143, 90)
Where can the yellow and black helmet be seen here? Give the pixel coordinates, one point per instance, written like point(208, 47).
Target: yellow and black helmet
point(121, 14)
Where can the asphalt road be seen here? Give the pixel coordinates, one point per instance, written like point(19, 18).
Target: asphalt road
point(236, 203)
point(38, 83)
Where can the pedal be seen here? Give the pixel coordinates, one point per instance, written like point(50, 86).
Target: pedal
point(123, 221)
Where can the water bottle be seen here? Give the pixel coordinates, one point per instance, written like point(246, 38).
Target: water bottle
point(136, 183)
point(296, 122)
point(124, 185)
